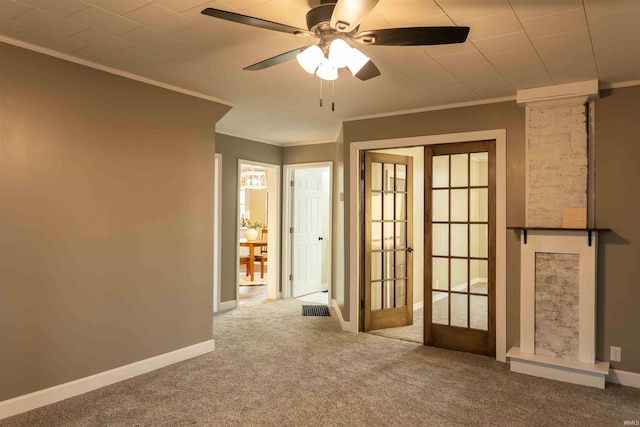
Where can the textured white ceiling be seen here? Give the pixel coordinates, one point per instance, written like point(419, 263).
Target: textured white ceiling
point(513, 44)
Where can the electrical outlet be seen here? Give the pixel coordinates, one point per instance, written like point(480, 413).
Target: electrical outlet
point(615, 354)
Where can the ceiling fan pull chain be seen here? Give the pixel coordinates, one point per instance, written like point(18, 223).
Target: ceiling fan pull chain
point(321, 92)
point(333, 95)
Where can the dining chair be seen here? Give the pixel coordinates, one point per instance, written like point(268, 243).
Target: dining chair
point(262, 256)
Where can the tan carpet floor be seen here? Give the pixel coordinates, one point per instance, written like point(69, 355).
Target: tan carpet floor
point(274, 367)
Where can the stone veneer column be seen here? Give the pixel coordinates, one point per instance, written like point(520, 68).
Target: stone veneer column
point(557, 160)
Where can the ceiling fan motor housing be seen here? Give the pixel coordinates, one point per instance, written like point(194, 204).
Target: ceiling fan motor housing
point(319, 14)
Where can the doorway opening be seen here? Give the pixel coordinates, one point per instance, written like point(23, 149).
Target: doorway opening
point(258, 229)
point(307, 232)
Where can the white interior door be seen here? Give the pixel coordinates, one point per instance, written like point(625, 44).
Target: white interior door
point(307, 236)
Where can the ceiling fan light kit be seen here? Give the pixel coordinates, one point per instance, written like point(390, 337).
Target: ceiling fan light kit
point(335, 23)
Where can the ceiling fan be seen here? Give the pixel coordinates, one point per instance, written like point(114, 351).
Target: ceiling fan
point(335, 22)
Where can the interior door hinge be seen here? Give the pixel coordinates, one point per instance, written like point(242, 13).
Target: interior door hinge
point(361, 173)
point(362, 304)
point(291, 277)
point(292, 183)
point(290, 230)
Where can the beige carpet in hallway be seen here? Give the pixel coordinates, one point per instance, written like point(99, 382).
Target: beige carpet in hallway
point(274, 367)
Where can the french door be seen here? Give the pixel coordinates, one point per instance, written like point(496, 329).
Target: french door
point(388, 285)
point(460, 246)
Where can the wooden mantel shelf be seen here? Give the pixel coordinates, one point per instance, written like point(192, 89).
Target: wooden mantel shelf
point(587, 230)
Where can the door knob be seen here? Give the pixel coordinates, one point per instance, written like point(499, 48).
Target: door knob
point(409, 249)
point(320, 238)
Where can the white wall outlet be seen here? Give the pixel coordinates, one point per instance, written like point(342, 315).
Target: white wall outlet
point(615, 354)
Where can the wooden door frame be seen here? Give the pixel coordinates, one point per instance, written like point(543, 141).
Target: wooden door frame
point(287, 221)
point(355, 234)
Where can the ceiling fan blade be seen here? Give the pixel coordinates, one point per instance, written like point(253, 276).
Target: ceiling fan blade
point(413, 36)
point(278, 59)
point(368, 71)
point(256, 22)
point(348, 14)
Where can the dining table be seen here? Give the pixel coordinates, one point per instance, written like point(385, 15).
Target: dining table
point(252, 245)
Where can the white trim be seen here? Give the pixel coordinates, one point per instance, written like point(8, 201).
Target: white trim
point(345, 326)
point(433, 108)
point(227, 305)
point(618, 85)
point(287, 254)
point(217, 238)
point(50, 395)
point(592, 375)
point(110, 70)
point(560, 242)
point(626, 378)
point(418, 305)
point(587, 88)
point(500, 136)
point(277, 144)
point(273, 238)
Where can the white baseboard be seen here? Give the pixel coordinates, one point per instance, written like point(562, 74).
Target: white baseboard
point(345, 326)
point(227, 305)
point(39, 398)
point(626, 378)
point(418, 305)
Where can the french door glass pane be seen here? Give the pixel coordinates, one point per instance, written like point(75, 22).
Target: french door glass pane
point(401, 293)
point(479, 240)
point(401, 235)
point(388, 266)
point(376, 295)
point(389, 177)
point(388, 294)
point(479, 312)
point(401, 264)
point(401, 206)
point(479, 168)
point(440, 236)
point(459, 274)
point(440, 205)
point(479, 276)
point(459, 170)
point(376, 266)
point(479, 209)
point(376, 206)
point(440, 308)
point(459, 240)
point(440, 171)
point(440, 268)
point(376, 236)
point(459, 310)
point(401, 178)
point(388, 206)
point(459, 205)
point(376, 176)
point(387, 233)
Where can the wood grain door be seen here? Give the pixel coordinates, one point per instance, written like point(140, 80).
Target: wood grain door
point(388, 282)
point(460, 246)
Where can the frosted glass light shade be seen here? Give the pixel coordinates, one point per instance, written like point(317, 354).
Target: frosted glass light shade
point(327, 71)
point(340, 53)
point(357, 60)
point(310, 58)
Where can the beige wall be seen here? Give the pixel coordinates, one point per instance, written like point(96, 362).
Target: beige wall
point(232, 150)
point(106, 207)
point(617, 200)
